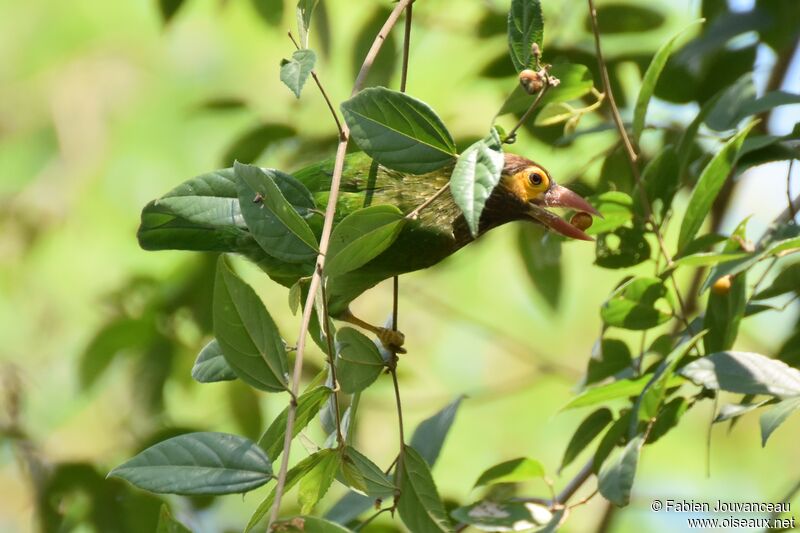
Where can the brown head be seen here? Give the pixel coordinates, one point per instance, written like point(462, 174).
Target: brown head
point(533, 186)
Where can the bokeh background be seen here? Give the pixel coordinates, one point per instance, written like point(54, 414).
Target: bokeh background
point(104, 106)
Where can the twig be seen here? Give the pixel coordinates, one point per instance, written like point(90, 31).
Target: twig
point(512, 135)
point(406, 47)
point(330, 211)
point(575, 483)
point(792, 209)
point(327, 329)
point(398, 471)
point(377, 513)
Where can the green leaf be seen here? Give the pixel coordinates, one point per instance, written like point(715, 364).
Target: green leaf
point(275, 223)
point(614, 18)
point(364, 476)
point(398, 131)
point(211, 365)
point(775, 416)
point(308, 405)
point(649, 83)
point(724, 312)
point(308, 524)
point(525, 27)
point(475, 176)
point(612, 357)
point(668, 417)
point(709, 258)
point(616, 479)
point(362, 236)
point(168, 524)
point(623, 388)
point(552, 114)
point(730, 411)
point(420, 507)
point(622, 248)
point(295, 71)
point(247, 334)
point(305, 8)
point(633, 305)
point(295, 474)
point(429, 436)
point(198, 463)
point(708, 186)
point(616, 208)
point(489, 515)
point(613, 437)
point(358, 361)
point(318, 479)
point(589, 429)
point(541, 253)
point(787, 281)
point(745, 373)
point(513, 471)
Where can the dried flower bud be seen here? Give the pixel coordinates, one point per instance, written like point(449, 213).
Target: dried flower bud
point(722, 286)
point(536, 51)
point(531, 81)
point(581, 220)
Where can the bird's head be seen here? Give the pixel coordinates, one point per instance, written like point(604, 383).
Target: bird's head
point(533, 185)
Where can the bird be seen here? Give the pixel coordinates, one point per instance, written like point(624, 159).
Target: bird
point(524, 192)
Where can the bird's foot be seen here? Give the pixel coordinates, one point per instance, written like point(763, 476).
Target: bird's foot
point(391, 339)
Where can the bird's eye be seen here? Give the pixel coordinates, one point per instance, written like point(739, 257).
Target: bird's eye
point(536, 178)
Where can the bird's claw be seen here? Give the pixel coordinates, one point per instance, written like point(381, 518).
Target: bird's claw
point(392, 339)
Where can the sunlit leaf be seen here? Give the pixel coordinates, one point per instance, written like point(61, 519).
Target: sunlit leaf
point(622, 248)
point(776, 415)
point(513, 471)
point(745, 373)
point(616, 208)
point(198, 463)
point(362, 236)
point(634, 305)
point(420, 507)
point(475, 176)
point(708, 186)
point(308, 405)
point(624, 388)
point(247, 334)
point(358, 362)
point(295, 71)
point(398, 131)
point(317, 480)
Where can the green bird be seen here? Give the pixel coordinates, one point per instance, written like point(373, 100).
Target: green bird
point(203, 214)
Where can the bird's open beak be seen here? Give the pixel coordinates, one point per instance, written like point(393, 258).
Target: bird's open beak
point(559, 196)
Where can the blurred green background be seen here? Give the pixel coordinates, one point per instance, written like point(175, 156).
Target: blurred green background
point(103, 107)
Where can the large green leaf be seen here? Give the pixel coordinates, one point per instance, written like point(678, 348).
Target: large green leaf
point(589, 429)
point(317, 480)
point(364, 476)
point(513, 471)
point(273, 220)
point(649, 84)
point(490, 515)
point(617, 389)
point(247, 334)
point(308, 405)
point(295, 71)
point(293, 476)
point(358, 361)
point(429, 436)
point(475, 176)
point(525, 27)
point(398, 131)
point(633, 305)
point(198, 463)
point(744, 373)
point(211, 365)
point(616, 479)
point(777, 415)
point(708, 186)
point(419, 505)
point(362, 236)
point(541, 254)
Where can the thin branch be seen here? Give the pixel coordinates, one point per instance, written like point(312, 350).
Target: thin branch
point(398, 471)
point(377, 513)
point(789, 201)
point(576, 483)
point(330, 211)
point(406, 47)
point(511, 135)
point(327, 329)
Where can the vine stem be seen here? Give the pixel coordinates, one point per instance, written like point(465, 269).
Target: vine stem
point(511, 135)
point(330, 211)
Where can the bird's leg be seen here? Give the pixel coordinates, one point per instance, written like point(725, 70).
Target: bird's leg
point(392, 339)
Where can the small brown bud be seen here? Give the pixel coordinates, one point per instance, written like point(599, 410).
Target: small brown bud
point(722, 286)
point(536, 51)
point(581, 220)
point(531, 81)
